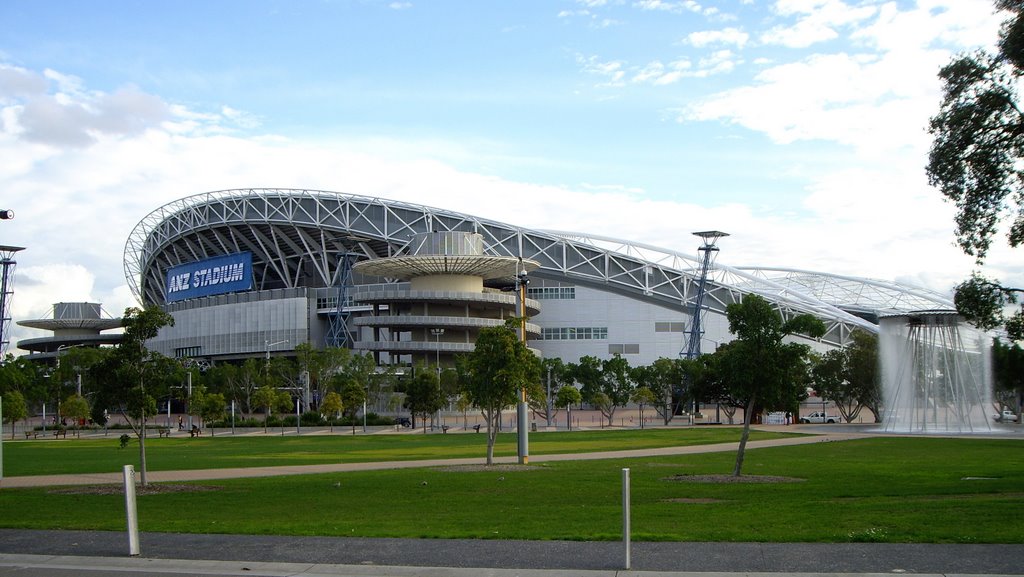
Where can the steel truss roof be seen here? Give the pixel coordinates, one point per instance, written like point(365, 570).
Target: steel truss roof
point(295, 237)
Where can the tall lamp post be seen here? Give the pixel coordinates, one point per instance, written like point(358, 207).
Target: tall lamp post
point(437, 340)
point(523, 447)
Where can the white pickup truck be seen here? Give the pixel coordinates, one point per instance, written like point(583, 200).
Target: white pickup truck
point(819, 417)
point(1007, 416)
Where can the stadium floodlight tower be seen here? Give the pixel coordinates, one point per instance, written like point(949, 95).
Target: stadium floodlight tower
point(706, 252)
point(7, 262)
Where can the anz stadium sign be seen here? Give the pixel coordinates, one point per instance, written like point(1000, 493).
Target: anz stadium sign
point(212, 276)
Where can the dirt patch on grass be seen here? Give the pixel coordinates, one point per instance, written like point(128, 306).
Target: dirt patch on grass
point(693, 501)
point(732, 479)
point(486, 468)
point(151, 489)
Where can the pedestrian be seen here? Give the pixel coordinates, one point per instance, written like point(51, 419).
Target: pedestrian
point(181, 423)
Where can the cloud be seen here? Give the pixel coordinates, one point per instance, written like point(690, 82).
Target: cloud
point(816, 21)
point(733, 36)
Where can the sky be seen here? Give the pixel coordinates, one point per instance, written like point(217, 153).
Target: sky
point(799, 127)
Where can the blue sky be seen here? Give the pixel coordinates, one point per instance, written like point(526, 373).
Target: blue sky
point(796, 125)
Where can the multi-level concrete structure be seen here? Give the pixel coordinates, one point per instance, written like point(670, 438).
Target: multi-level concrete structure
point(258, 271)
point(72, 325)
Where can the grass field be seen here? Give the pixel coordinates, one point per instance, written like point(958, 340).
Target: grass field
point(904, 489)
point(104, 454)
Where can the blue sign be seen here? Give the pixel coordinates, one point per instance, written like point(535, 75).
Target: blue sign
point(213, 276)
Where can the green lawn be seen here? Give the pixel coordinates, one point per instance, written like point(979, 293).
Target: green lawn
point(906, 489)
point(104, 454)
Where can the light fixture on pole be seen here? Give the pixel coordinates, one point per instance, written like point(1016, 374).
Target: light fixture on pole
point(268, 345)
point(437, 339)
point(522, 411)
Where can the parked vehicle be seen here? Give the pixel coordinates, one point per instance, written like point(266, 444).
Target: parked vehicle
point(1007, 416)
point(819, 417)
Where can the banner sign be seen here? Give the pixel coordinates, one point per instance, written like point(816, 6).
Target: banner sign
point(212, 276)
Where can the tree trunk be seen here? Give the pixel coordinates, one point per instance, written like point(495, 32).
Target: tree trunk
point(142, 453)
point(492, 434)
point(743, 438)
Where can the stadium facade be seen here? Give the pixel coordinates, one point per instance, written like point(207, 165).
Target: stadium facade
point(256, 272)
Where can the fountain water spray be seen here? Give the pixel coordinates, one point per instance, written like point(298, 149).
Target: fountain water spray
point(936, 373)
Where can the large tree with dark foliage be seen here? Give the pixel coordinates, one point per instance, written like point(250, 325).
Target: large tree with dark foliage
point(758, 368)
point(129, 379)
point(977, 162)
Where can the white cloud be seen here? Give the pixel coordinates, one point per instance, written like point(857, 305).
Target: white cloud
point(733, 36)
point(816, 21)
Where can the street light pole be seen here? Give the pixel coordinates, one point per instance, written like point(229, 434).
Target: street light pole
point(523, 446)
point(437, 340)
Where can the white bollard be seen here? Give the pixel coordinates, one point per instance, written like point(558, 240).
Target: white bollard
point(626, 531)
point(131, 510)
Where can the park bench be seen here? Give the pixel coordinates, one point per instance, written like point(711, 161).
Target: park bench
point(32, 434)
point(444, 428)
point(60, 433)
point(164, 432)
point(195, 432)
point(476, 427)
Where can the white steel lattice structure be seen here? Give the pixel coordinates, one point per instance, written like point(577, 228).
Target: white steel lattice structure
point(295, 237)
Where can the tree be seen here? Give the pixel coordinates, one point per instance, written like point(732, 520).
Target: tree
point(331, 407)
point(423, 394)
point(128, 378)
point(758, 368)
point(494, 373)
point(863, 372)
point(353, 396)
point(665, 378)
point(76, 408)
point(975, 161)
point(643, 396)
point(567, 397)
point(212, 407)
point(267, 399)
point(14, 408)
point(1008, 374)
point(611, 377)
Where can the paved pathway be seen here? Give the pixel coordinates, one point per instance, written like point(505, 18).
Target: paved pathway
point(233, 473)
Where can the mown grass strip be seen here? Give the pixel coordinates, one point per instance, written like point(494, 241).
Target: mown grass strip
point(919, 490)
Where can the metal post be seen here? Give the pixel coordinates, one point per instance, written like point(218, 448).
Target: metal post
point(549, 396)
point(2, 437)
point(131, 510)
point(626, 530)
point(189, 401)
point(232, 416)
point(298, 425)
point(523, 446)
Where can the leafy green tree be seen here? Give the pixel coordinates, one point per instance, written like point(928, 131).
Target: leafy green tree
point(494, 373)
point(212, 407)
point(553, 370)
point(863, 371)
point(423, 394)
point(1008, 374)
point(353, 396)
point(975, 161)
point(75, 408)
point(758, 368)
point(14, 408)
point(588, 373)
point(267, 399)
point(568, 396)
point(128, 378)
point(616, 383)
point(643, 396)
point(331, 407)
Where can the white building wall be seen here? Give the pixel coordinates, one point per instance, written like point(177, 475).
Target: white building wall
point(628, 321)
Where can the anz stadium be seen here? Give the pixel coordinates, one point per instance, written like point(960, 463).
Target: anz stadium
point(256, 272)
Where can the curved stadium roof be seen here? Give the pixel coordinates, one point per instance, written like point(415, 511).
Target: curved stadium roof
point(298, 239)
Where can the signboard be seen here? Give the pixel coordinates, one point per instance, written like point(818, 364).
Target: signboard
point(213, 276)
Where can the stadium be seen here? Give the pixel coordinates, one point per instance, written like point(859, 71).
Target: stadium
point(256, 272)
